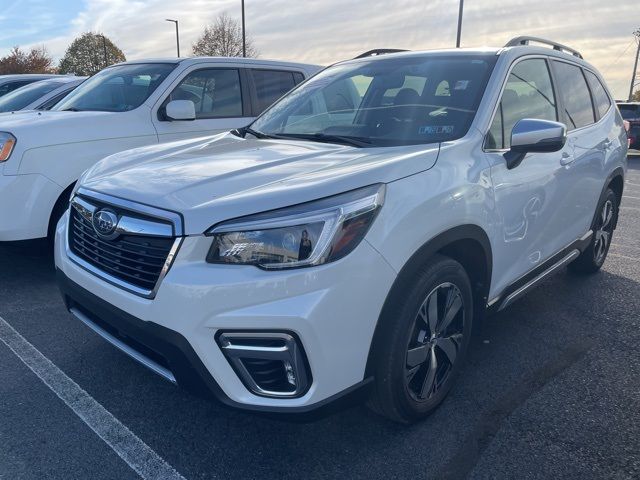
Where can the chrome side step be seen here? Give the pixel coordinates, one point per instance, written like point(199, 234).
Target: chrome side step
point(534, 281)
point(124, 348)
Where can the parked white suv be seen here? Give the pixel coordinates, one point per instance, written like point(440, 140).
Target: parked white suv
point(124, 106)
point(347, 241)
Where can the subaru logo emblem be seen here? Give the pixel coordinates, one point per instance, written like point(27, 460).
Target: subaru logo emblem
point(105, 222)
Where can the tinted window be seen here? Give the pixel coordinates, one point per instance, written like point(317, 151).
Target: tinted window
point(49, 104)
point(600, 97)
point(298, 77)
point(527, 94)
point(385, 101)
point(630, 112)
point(270, 86)
point(20, 98)
point(216, 93)
point(11, 86)
point(117, 89)
point(578, 110)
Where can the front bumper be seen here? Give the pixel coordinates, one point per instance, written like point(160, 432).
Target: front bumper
point(26, 202)
point(333, 310)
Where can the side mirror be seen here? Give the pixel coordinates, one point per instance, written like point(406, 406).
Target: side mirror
point(531, 135)
point(181, 110)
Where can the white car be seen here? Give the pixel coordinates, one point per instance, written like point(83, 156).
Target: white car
point(349, 239)
point(9, 83)
point(41, 95)
point(128, 105)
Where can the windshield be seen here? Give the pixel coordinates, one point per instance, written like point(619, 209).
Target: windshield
point(403, 100)
point(23, 96)
point(630, 112)
point(117, 89)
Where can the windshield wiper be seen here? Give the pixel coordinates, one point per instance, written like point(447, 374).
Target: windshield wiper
point(241, 132)
point(71, 109)
point(326, 138)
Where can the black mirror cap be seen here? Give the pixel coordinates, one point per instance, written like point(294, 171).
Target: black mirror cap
point(534, 136)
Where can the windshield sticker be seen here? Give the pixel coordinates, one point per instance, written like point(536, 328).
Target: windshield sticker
point(461, 85)
point(436, 130)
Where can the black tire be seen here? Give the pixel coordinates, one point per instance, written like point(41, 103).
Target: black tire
point(58, 211)
point(400, 391)
point(592, 258)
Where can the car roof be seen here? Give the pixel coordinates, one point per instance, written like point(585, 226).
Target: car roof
point(19, 76)
point(197, 60)
point(514, 51)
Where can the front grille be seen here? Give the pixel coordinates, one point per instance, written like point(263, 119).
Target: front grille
point(137, 260)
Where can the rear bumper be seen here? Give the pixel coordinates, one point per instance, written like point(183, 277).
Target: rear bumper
point(171, 351)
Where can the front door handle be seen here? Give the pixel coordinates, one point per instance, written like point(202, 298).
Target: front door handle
point(566, 159)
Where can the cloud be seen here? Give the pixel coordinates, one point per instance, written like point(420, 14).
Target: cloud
point(331, 30)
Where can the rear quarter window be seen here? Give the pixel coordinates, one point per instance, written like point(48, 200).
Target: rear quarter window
point(600, 97)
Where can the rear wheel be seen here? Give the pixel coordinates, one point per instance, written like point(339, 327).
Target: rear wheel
point(593, 257)
point(426, 334)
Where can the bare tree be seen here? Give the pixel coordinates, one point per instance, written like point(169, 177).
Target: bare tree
point(37, 60)
point(223, 38)
point(90, 53)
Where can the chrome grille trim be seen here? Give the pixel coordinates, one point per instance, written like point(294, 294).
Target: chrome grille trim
point(116, 266)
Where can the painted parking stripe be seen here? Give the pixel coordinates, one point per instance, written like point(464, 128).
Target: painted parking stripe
point(137, 454)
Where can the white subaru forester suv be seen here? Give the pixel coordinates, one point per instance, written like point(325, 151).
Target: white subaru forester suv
point(347, 241)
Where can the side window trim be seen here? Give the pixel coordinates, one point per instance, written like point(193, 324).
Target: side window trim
point(167, 94)
point(505, 80)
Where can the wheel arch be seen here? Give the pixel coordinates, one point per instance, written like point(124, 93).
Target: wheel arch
point(615, 181)
point(467, 244)
point(62, 199)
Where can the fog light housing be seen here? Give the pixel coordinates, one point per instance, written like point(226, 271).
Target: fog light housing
point(270, 364)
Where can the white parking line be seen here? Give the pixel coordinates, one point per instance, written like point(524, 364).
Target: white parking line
point(137, 454)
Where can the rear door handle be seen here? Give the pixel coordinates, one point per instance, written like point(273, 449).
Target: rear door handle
point(607, 144)
point(566, 158)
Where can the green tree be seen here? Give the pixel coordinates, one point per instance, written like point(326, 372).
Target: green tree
point(636, 96)
point(223, 38)
point(37, 60)
point(90, 53)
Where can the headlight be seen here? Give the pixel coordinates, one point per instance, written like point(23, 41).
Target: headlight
point(308, 234)
point(7, 142)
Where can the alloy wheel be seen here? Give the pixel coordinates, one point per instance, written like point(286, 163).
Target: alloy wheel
point(435, 341)
point(603, 233)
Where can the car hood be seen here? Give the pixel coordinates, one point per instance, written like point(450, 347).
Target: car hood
point(35, 129)
point(222, 177)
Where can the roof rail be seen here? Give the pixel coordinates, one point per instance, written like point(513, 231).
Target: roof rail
point(525, 40)
point(379, 51)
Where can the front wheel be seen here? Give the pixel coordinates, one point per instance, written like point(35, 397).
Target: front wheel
point(593, 257)
point(425, 337)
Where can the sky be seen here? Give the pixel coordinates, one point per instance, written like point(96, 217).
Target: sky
point(326, 31)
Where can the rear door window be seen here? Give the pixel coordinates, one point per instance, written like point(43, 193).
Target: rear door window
point(215, 92)
point(600, 97)
point(578, 109)
point(270, 86)
point(527, 94)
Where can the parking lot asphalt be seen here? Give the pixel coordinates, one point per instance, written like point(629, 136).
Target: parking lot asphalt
point(551, 389)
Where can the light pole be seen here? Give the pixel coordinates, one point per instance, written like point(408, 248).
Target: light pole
point(459, 23)
point(177, 35)
point(244, 35)
point(635, 65)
